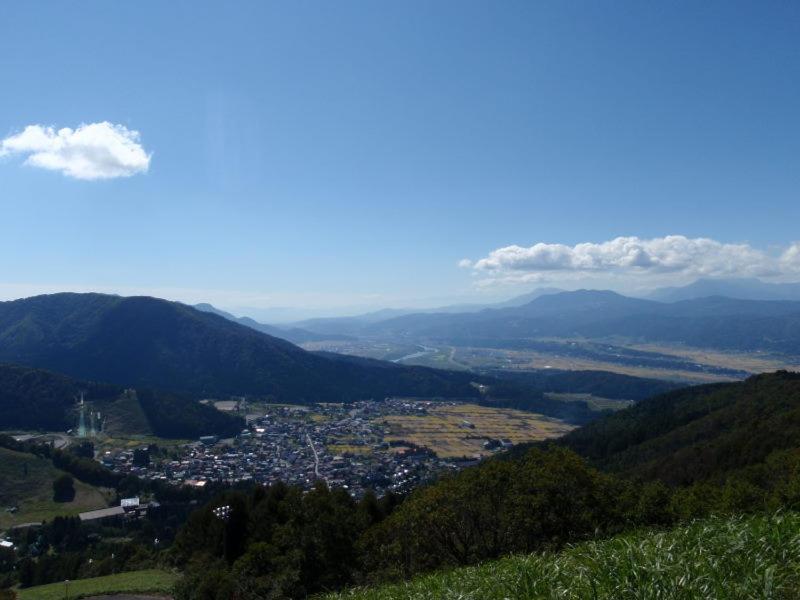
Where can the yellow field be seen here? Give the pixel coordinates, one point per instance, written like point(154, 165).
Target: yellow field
point(539, 360)
point(754, 362)
point(348, 449)
point(442, 429)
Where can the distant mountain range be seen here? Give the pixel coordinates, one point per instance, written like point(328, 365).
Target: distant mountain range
point(459, 322)
point(743, 289)
point(296, 335)
point(353, 326)
point(709, 322)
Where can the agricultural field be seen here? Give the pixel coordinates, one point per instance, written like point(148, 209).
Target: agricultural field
point(703, 365)
point(27, 483)
point(753, 362)
point(129, 442)
point(344, 448)
point(151, 581)
point(723, 558)
point(594, 402)
point(454, 430)
point(494, 358)
point(382, 350)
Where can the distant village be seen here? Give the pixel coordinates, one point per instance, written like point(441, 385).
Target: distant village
point(343, 445)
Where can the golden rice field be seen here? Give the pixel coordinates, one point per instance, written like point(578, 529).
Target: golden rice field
point(443, 429)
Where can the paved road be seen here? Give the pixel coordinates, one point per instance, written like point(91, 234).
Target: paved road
point(316, 457)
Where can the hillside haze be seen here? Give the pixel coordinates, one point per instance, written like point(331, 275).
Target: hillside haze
point(742, 288)
point(711, 322)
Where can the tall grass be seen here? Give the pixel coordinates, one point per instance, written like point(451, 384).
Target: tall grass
point(718, 558)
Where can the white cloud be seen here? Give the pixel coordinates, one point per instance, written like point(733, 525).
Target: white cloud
point(790, 259)
point(673, 255)
point(94, 151)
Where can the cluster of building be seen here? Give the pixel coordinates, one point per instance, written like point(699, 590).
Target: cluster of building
point(342, 445)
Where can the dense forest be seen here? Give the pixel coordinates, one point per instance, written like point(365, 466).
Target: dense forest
point(698, 434)
point(37, 399)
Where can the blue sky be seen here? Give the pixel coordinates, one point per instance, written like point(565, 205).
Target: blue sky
point(347, 155)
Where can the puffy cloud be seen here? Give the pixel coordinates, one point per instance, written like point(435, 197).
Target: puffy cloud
point(94, 151)
point(670, 255)
point(790, 259)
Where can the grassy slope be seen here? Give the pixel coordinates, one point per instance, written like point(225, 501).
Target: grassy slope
point(754, 557)
point(124, 415)
point(33, 493)
point(149, 581)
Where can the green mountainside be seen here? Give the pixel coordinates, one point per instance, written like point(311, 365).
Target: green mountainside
point(153, 343)
point(40, 400)
point(27, 484)
point(699, 433)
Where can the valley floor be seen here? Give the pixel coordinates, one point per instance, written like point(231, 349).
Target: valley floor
point(722, 558)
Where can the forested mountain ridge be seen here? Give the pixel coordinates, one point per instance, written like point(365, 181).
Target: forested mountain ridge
point(296, 335)
point(41, 400)
point(699, 434)
point(142, 341)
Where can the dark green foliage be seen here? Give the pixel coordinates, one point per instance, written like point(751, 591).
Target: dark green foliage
point(274, 543)
point(541, 501)
point(516, 396)
point(177, 416)
point(85, 469)
point(699, 433)
point(84, 449)
point(63, 489)
point(280, 542)
point(141, 457)
point(598, 383)
point(65, 548)
point(36, 399)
